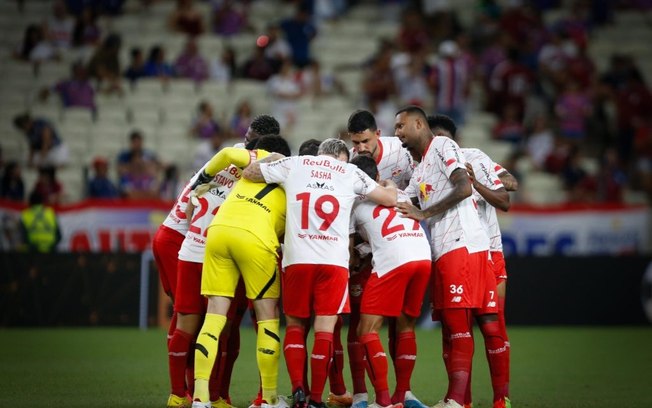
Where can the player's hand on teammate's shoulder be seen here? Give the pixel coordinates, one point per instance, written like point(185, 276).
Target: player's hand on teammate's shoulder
point(408, 210)
point(469, 170)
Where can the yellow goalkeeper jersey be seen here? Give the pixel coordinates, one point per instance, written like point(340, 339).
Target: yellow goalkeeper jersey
point(256, 207)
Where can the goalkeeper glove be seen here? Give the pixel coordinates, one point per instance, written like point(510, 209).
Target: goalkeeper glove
point(202, 179)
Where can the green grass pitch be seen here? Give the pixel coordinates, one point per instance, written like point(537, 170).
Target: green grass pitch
point(105, 367)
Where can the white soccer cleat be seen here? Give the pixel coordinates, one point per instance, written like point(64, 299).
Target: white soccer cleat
point(280, 403)
point(199, 404)
point(447, 404)
point(360, 400)
point(412, 402)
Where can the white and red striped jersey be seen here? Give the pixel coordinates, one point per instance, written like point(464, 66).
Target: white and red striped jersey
point(394, 240)
point(486, 173)
point(320, 191)
point(194, 244)
point(460, 225)
point(176, 219)
point(394, 161)
point(450, 78)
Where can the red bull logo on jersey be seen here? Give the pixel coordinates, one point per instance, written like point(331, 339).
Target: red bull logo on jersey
point(424, 191)
point(325, 163)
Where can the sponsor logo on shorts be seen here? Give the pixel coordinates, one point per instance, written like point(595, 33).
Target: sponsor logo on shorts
point(491, 304)
point(456, 299)
point(460, 335)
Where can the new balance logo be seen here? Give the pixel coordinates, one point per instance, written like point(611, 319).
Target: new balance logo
point(294, 346)
point(379, 354)
point(318, 356)
point(491, 304)
point(407, 357)
point(456, 299)
point(460, 335)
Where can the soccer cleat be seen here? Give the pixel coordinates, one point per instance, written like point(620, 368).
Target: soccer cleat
point(221, 403)
point(412, 402)
point(503, 403)
point(470, 405)
point(360, 400)
point(313, 404)
point(175, 401)
point(344, 400)
point(374, 405)
point(299, 398)
point(281, 402)
point(450, 403)
point(199, 404)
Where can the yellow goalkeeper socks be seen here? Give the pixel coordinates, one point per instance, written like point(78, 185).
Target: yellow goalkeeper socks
point(268, 347)
point(206, 352)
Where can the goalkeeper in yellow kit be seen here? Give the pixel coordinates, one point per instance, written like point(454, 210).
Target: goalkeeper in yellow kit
point(243, 240)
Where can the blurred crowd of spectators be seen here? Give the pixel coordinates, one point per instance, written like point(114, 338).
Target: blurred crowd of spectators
point(550, 102)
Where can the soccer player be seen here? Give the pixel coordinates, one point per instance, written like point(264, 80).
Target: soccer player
point(489, 194)
point(242, 241)
point(165, 247)
point(320, 193)
point(459, 243)
point(400, 276)
point(394, 163)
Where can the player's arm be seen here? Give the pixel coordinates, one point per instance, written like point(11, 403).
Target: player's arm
point(498, 198)
point(385, 194)
point(253, 171)
point(223, 159)
point(509, 181)
point(461, 190)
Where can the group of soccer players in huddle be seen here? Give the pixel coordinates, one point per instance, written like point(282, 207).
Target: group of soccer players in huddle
point(365, 231)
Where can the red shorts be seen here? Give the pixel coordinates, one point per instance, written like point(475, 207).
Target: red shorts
point(188, 298)
point(458, 279)
point(490, 294)
point(357, 282)
point(319, 289)
point(400, 290)
point(165, 246)
point(498, 266)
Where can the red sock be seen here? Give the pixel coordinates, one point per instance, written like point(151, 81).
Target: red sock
point(171, 328)
point(294, 350)
point(320, 360)
point(335, 375)
point(179, 348)
point(496, 351)
point(376, 367)
point(306, 361)
point(406, 356)
point(503, 328)
point(356, 353)
point(458, 323)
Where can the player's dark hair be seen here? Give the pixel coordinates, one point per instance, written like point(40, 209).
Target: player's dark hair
point(21, 120)
point(273, 144)
point(413, 109)
point(442, 122)
point(366, 164)
point(333, 147)
point(361, 120)
point(265, 125)
point(309, 148)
